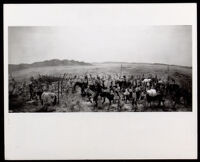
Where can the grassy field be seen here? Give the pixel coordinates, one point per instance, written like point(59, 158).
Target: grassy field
point(74, 102)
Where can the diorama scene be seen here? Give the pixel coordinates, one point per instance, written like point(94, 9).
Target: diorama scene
point(99, 68)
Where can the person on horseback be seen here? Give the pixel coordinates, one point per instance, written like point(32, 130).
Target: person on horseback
point(98, 90)
point(137, 90)
point(89, 93)
point(39, 90)
point(31, 88)
point(111, 86)
point(142, 96)
point(134, 100)
point(126, 95)
point(12, 86)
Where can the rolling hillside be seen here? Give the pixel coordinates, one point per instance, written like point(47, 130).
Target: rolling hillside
point(53, 62)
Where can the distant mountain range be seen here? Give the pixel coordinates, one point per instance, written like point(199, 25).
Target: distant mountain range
point(57, 62)
point(114, 62)
point(53, 62)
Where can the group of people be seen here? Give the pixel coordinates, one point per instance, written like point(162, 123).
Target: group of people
point(116, 88)
point(127, 88)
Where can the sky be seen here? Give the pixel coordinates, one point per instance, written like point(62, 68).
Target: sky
point(99, 42)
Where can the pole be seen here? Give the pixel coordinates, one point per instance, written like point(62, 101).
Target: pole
point(168, 72)
point(58, 90)
point(62, 83)
point(121, 69)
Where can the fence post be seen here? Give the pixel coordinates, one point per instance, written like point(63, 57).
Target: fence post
point(62, 83)
point(61, 86)
point(58, 90)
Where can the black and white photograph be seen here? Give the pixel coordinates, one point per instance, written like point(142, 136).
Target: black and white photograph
point(104, 68)
point(100, 81)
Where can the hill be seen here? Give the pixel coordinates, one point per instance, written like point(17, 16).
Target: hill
point(53, 62)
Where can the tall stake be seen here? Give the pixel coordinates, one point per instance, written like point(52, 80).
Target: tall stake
point(121, 69)
point(168, 73)
point(58, 90)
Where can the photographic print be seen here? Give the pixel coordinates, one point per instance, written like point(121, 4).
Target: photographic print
point(100, 81)
point(101, 69)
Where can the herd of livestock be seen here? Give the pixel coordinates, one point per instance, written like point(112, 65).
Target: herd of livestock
point(113, 89)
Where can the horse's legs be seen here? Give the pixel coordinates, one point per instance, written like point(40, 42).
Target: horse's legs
point(174, 106)
point(114, 101)
point(110, 101)
point(160, 101)
point(96, 105)
point(30, 95)
point(103, 100)
point(41, 102)
point(40, 96)
point(133, 105)
point(136, 108)
point(118, 106)
point(45, 108)
point(163, 107)
point(73, 89)
point(90, 100)
point(109, 104)
point(127, 99)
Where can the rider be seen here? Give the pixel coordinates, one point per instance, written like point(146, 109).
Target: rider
point(134, 100)
point(137, 90)
point(31, 88)
point(39, 90)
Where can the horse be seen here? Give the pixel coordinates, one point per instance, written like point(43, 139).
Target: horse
point(174, 91)
point(152, 95)
point(107, 95)
point(82, 85)
point(48, 99)
point(89, 92)
point(123, 84)
point(126, 95)
point(187, 96)
point(101, 91)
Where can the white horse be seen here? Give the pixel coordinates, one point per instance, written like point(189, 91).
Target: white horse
point(146, 81)
point(48, 99)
